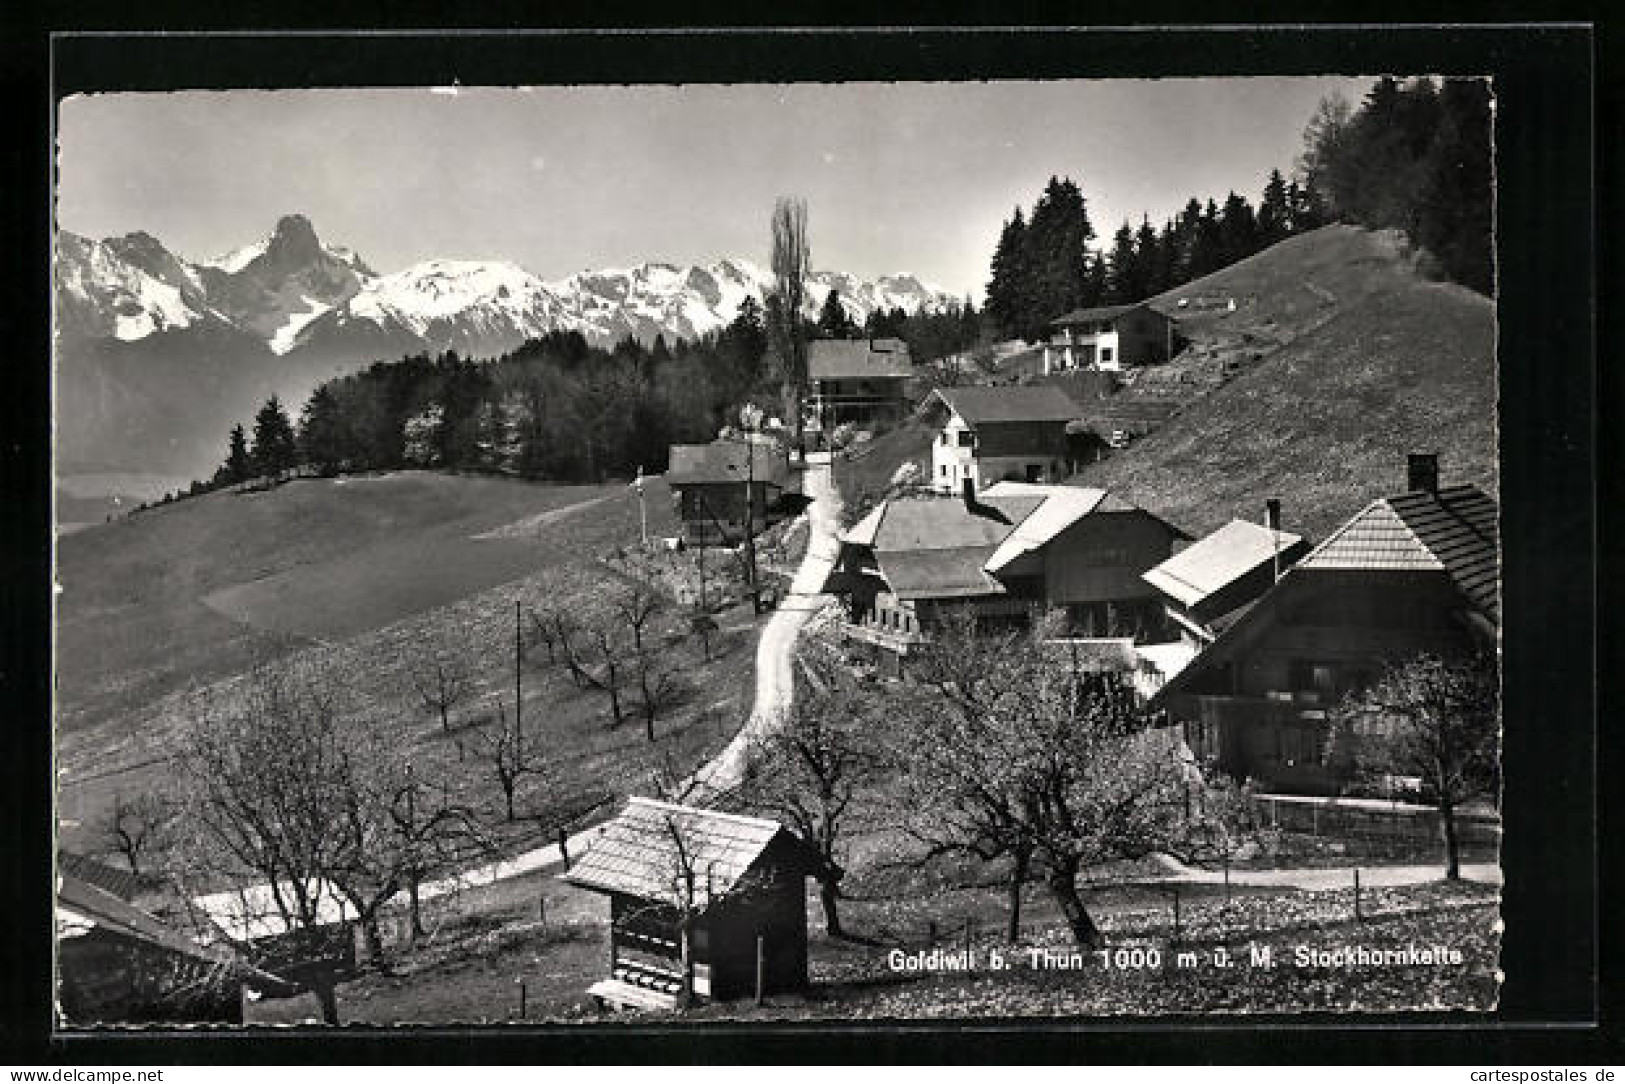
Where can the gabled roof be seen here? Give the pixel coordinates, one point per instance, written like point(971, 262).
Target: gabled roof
point(1096, 315)
point(1011, 403)
point(1454, 530)
point(845, 359)
point(1062, 507)
point(1218, 560)
point(940, 522)
point(646, 851)
point(724, 461)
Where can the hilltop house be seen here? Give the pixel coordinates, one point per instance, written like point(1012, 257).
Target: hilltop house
point(856, 380)
point(1109, 337)
point(992, 434)
point(1417, 572)
point(1005, 552)
point(709, 483)
point(712, 895)
point(118, 964)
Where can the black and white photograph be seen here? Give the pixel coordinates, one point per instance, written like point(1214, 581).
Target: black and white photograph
point(761, 552)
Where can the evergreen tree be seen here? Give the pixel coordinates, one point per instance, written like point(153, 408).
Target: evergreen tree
point(1238, 230)
point(1207, 247)
point(238, 467)
point(1148, 258)
point(659, 353)
point(1006, 303)
point(833, 322)
point(275, 448)
point(1056, 254)
point(1123, 278)
point(1274, 211)
point(1456, 201)
point(322, 439)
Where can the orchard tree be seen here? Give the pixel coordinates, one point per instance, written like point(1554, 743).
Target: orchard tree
point(1434, 719)
point(275, 447)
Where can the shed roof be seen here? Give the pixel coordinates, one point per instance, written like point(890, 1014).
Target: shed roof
point(724, 461)
point(120, 882)
point(1011, 403)
point(1454, 530)
point(646, 850)
point(1218, 560)
point(845, 359)
point(1097, 314)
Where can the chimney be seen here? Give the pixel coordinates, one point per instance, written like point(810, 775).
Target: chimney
point(967, 486)
point(1422, 473)
point(1272, 520)
point(1272, 513)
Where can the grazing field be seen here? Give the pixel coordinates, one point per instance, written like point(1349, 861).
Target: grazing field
point(202, 588)
point(403, 537)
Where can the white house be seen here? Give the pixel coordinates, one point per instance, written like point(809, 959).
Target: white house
point(1111, 337)
point(988, 435)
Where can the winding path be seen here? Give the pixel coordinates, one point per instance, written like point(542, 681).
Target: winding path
point(247, 912)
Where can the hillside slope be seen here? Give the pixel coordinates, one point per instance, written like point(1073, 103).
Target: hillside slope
point(1343, 360)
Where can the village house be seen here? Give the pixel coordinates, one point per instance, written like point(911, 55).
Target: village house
point(862, 381)
point(1208, 584)
point(118, 964)
point(991, 434)
point(1413, 573)
point(715, 897)
point(1005, 553)
point(1110, 337)
point(709, 483)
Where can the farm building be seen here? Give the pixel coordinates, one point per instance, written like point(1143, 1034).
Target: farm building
point(694, 892)
point(1206, 584)
point(1413, 573)
point(1109, 337)
point(991, 434)
point(856, 380)
point(117, 964)
point(1004, 552)
point(709, 483)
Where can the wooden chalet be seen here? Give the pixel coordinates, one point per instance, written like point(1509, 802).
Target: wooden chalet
point(1109, 337)
point(709, 483)
point(991, 434)
point(118, 964)
point(694, 895)
point(1413, 573)
point(1208, 583)
point(856, 380)
point(1004, 553)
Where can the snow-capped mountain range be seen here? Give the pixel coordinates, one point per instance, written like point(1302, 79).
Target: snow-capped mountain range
point(158, 356)
point(292, 292)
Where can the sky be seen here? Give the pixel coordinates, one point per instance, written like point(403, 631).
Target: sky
point(915, 177)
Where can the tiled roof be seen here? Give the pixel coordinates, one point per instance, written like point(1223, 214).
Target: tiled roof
point(1013, 403)
point(1095, 315)
point(845, 359)
point(727, 461)
point(646, 851)
point(1218, 560)
point(939, 573)
point(1453, 530)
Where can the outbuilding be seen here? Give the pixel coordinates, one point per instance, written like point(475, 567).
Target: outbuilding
point(714, 902)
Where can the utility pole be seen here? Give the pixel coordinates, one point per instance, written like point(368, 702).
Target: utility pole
point(518, 682)
point(643, 510)
point(749, 416)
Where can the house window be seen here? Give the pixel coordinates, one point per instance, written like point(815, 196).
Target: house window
point(1314, 682)
point(1035, 472)
point(967, 439)
point(943, 470)
point(944, 438)
point(1105, 356)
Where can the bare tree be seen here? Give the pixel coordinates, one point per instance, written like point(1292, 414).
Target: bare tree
point(443, 679)
point(792, 264)
point(808, 769)
point(509, 757)
point(1434, 719)
point(1020, 748)
point(138, 826)
point(660, 684)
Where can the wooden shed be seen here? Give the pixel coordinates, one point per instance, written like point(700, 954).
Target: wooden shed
point(698, 896)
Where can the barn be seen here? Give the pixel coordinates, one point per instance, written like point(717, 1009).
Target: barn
point(713, 900)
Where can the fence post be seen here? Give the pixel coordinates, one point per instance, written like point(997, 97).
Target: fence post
point(1176, 916)
point(760, 968)
point(541, 910)
point(523, 1008)
point(931, 933)
point(1357, 916)
point(969, 927)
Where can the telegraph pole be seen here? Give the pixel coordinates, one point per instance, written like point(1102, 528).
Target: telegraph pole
point(643, 510)
point(518, 681)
